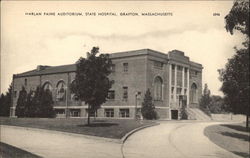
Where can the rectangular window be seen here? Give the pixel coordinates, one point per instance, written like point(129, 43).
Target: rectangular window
point(178, 91)
point(194, 73)
point(172, 92)
point(109, 112)
point(158, 65)
point(173, 74)
point(185, 91)
point(75, 113)
point(125, 67)
point(60, 113)
point(185, 77)
point(113, 68)
point(25, 81)
point(91, 113)
point(111, 95)
point(125, 93)
point(15, 94)
point(179, 76)
point(124, 113)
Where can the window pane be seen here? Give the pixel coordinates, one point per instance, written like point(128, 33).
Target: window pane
point(125, 67)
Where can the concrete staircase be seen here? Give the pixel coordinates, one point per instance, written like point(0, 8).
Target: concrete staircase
point(197, 114)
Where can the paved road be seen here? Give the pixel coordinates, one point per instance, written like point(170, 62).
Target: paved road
point(168, 140)
point(174, 140)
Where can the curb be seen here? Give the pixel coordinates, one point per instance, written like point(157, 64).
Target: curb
point(65, 133)
point(119, 141)
point(124, 138)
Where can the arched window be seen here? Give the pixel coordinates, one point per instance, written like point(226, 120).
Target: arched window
point(47, 86)
point(60, 91)
point(193, 94)
point(158, 88)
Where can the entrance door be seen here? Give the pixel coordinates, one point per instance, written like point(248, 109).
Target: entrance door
point(174, 114)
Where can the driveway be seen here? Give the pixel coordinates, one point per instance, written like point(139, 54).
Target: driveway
point(58, 144)
point(168, 140)
point(174, 140)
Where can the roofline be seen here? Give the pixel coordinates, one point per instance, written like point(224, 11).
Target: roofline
point(140, 52)
point(116, 55)
point(19, 76)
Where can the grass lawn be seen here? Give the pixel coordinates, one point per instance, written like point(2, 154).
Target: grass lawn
point(7, 151)
point(232, 137)
point(109, 128)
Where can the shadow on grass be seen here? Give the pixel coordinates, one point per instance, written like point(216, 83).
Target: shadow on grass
point(238, 128)
point(8, 151)
point(99, 124)
point(236, 135)
point(245, 155)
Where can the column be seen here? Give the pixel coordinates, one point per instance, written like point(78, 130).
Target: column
point(183, 80)
point(170, 83)
point(175, 82)
point(162, 91)
point(187, 86)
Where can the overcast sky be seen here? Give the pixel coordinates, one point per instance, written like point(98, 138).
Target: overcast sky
point(28, 41)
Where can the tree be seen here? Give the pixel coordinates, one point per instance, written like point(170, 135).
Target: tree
point(238, 17)
point(46, 104)
point(30, 107)
point(21, 103)
point(148, 108)
point(37, 103)
point(40, 104)
point(5, 102)
point(235, 83)
point(217, 105)
point(235, 76)
point(205, 100)
point(91, 82)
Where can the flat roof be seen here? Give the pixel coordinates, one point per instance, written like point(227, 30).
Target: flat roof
point(72, 67)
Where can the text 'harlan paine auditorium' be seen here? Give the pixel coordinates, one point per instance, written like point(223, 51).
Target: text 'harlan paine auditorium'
point(174, 81)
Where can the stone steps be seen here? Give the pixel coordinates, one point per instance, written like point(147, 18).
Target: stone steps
point(197, 114)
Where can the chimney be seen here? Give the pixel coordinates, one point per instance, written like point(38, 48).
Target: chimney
point(41, 67)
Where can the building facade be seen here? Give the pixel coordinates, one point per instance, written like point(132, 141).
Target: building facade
point(174, 81)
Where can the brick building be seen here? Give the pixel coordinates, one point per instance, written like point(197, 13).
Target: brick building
point(173, 80)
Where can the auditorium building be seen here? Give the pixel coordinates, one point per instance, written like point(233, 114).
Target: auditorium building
point(173, 79)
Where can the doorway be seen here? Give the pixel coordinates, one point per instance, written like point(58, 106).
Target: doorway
point(174, 114)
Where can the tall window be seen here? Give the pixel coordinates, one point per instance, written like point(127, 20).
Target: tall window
point(73, 96)
point(173, 74)
point(47, 86)
point(158, 88)
point(125, 67)
point(193, 95)
point(178, 92)
point(179, 76)
point(185, 77)
point(125, 93)
point(60, 91)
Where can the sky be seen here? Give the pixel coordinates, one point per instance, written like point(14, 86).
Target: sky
point(28, 41)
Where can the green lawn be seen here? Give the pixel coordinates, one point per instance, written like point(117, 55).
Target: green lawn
point(232, 137)
point(7, 151)
point(109, 128)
